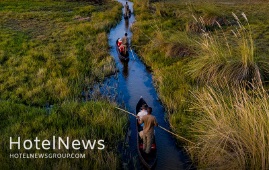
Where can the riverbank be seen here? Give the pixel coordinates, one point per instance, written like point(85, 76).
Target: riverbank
point(49, 55)
point(200, 68)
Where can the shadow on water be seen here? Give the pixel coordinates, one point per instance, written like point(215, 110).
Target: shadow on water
point(125, 70)
point(126, 87)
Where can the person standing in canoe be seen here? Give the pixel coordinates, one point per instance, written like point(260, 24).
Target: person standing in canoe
point(125, 42)
point(126, 10)
point(148, 130)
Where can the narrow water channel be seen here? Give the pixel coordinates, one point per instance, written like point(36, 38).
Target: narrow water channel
point(128, 85)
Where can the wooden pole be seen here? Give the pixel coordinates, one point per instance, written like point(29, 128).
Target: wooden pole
point(175, 134)
point(126, 111)
point(180, 137)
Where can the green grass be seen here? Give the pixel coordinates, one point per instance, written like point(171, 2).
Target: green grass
point(49, 49)
point(190, 45)
point(87, 121)
point(49, 53)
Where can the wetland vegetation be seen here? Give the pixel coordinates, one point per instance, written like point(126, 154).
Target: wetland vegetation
point(49, 52)
point(210, 66)
point(209, 62)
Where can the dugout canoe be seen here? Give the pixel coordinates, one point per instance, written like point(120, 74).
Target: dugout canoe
point(122, 57)
point(148, 160)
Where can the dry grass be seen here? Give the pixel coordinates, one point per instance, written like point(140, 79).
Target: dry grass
point(226, 56)
point(232, 129)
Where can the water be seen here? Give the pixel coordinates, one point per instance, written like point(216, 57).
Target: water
point(130, 83)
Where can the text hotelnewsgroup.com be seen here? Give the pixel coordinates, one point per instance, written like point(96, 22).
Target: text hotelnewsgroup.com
point(46, 155)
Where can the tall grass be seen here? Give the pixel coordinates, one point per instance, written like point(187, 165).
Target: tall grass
point(232, 129)
point(217, 57)
point(229, 57)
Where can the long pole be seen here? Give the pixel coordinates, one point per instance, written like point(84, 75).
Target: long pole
point(126, 111)
point(175, 134)
point(158, 126)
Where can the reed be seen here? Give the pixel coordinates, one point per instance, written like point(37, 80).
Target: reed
point(227, 57)
point(232, 128)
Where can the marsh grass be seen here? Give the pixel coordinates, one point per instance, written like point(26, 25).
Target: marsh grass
point(229, 57)
point(50, 51)
point(47, 51)
point(232, 128)
point(83, 121)
point(219, 59)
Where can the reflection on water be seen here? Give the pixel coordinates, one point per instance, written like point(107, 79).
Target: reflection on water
point(126, 21)
point(125, 69)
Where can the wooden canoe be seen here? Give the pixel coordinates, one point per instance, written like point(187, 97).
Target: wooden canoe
point(122, 57)
point(148, 160)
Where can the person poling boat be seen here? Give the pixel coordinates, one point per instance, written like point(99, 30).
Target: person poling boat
point(148, 160)
point(176, 135)
point(148, 130)
point(125, 43)
point(127, 11)
point(146, 144)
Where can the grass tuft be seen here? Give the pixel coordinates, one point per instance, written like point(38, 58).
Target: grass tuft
point(232, 128)
point(227, 57)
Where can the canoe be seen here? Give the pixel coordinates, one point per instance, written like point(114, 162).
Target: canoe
point(148, 160)
point(122, 57)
